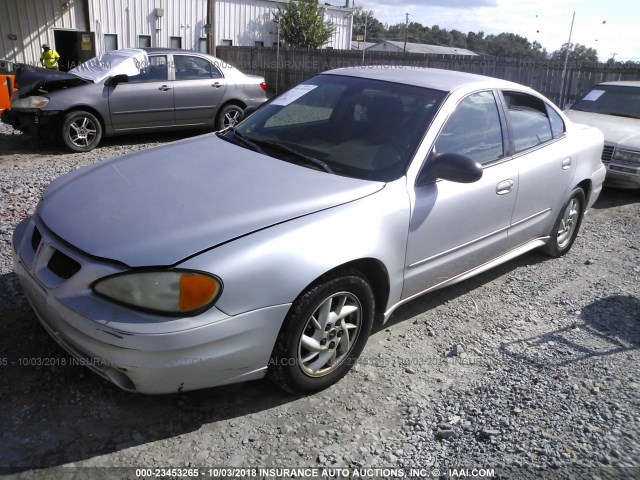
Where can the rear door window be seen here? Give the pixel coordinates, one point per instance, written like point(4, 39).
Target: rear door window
point(529, 120)
point(190, 67)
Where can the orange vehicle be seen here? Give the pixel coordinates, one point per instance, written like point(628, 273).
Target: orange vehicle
point(7, 83)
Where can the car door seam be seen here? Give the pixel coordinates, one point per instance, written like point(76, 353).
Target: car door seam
point(451, 250)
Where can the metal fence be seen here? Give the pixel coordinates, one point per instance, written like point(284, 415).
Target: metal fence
point(286, 67)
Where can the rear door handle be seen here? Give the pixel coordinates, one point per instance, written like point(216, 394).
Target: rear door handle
point(217, 85)
point(164, 88)
point(504, 187)
point(566, 164)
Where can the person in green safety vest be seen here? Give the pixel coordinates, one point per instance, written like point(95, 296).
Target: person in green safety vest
point(49, 57)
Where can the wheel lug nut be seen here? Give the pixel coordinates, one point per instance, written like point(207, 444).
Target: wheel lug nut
point(340, 332)
point(328, 327)
point(332, 345)
point(323, 342)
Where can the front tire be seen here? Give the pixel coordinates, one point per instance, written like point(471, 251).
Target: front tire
point(324, 333)
point(229, 116)
point(566, 227)
point(81, 131)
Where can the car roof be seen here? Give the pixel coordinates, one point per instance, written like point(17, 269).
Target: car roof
point(435, 78)
point(623, 83)
point(153, 50)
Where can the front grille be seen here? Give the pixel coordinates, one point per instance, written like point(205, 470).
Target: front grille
point(36, 237)
point(632, 162)
point(607, 153)
point(63, 265)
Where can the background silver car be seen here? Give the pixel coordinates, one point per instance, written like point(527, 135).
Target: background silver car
point(271, 247)
point(614, 108)
point(132, 91)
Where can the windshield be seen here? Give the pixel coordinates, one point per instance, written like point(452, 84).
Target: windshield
point(618, 100)
point(349, 126)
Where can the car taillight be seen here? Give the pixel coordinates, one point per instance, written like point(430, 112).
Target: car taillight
point(263, 86)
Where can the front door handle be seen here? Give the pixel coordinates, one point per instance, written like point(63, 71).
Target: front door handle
point(504, 187)
point(566, 164)
point(164, 88)
point(217, 85)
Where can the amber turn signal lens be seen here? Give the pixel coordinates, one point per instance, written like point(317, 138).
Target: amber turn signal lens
point(196, 291)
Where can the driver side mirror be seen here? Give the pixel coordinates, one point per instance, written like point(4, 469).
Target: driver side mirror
point(452, 167)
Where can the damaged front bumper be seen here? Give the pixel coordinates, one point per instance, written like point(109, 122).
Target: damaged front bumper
point(34, 122)
point(136, 351)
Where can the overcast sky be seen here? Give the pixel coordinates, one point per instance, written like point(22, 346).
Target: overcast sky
point(609, 26)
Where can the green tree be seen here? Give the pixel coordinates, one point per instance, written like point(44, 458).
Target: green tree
point(396, 32)
point(441, 36)
point(375, 29)
point(476, 43)
point(459, 39)
point(541, 52)
point(511, 45)
point(302, 24)
point(577, 54)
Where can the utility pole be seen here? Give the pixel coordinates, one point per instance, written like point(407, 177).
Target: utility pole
point(211, 13)
point(566, 60)
point(366, 17)
point(406, 32)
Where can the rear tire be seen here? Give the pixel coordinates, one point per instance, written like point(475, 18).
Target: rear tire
point(566, 227)
point(324, 333)
point(81, 131)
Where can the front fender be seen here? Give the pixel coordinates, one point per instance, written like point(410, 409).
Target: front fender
point(273, 266)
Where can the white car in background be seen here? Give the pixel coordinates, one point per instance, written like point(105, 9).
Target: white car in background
point(614, 108)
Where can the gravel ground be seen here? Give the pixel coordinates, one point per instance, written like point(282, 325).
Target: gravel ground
point(527, 371)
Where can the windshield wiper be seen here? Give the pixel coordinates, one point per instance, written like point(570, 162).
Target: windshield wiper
point(297, 155)
point(244, 140)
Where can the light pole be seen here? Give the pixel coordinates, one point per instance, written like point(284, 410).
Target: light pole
point(566, 60)
point(406, 32)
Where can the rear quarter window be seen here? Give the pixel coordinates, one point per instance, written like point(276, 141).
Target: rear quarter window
point(557, 124)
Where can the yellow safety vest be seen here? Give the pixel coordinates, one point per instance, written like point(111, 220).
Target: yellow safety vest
point(50, 58)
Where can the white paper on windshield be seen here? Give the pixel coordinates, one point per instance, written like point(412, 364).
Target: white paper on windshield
point(128, 61)
point(293, 94)
point(593, 95)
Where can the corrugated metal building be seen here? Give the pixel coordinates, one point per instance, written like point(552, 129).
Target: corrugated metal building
point(80, 29)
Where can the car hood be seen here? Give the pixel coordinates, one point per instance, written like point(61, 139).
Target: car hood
point(32, 79)
point(162, 205)
point(128, 61)
point(617, 131)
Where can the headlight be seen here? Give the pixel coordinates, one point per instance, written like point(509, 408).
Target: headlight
point(168, 292)
point(627, 155)
point(30, 102)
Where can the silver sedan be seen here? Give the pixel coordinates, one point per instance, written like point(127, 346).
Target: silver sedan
point(132, 91)
point(270, 248)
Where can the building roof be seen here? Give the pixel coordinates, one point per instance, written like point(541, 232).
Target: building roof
point(355, 45)
point(425, 48)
